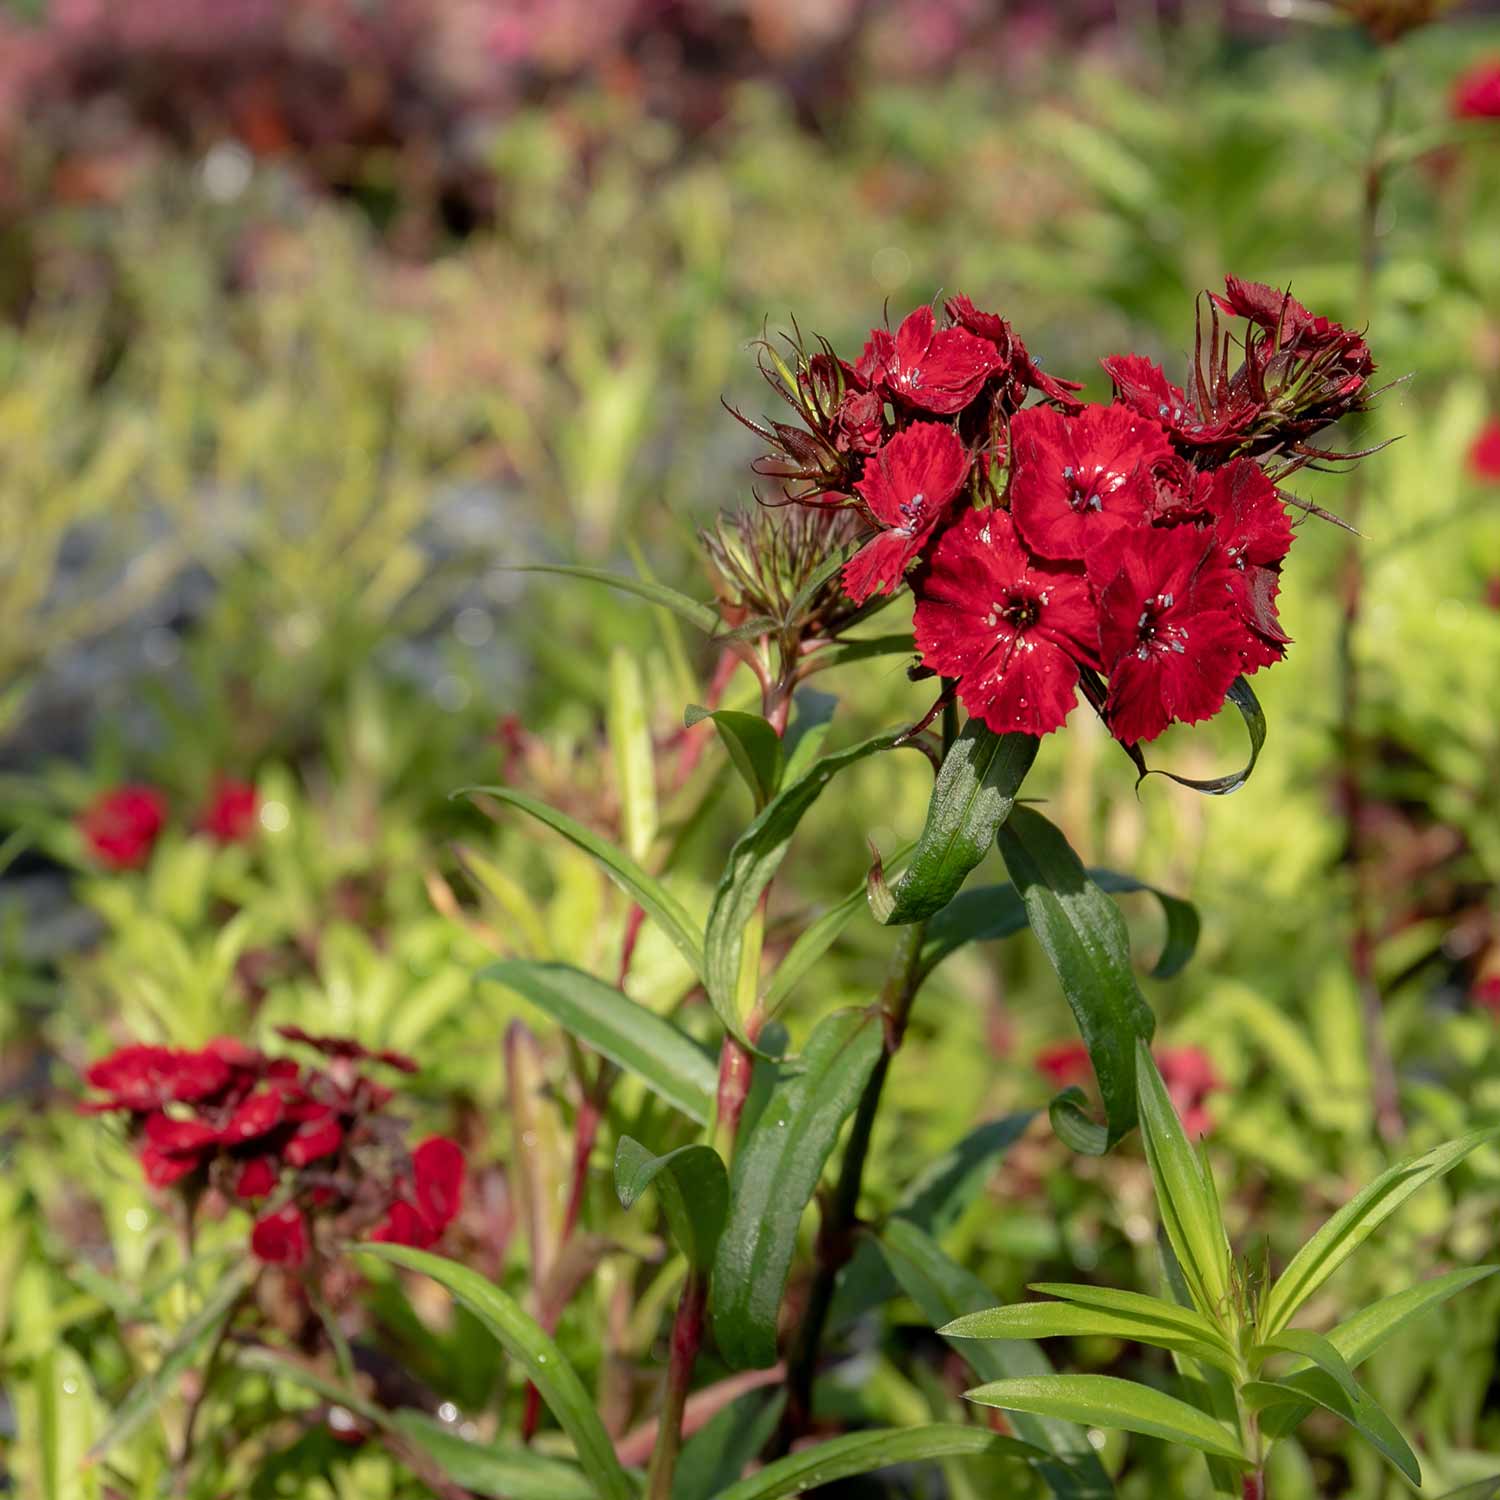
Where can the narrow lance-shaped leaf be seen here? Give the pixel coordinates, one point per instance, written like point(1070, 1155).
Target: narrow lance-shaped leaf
point(1360, 1411)
point(1083, 934)
point(147, 1395)
point(944, 1290)
point(630, 740)
point(717, 1454)
point(1359, 1336)
point(754, 748)
point(614, 1025)
point(702, 616)
point(1186, 1320)
point(653, 897)
point(1107, 1401)
point(776, 1168)
point(1242, 695)
point(863, 1452)
point(1327, 1250)
point(1314, 1347)
point(993, 912)
point(1046, 1320)
point(754, 860)
point(694, 1191)
point(529, 1345)
point(1185, 1195)
point(975, 791)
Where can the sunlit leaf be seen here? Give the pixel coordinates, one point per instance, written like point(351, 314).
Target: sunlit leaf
point(1107, 1401)
point(753, 747)
point(629, 725)
point(692, 1185)
point(615, 1026)
point(776, 1167)
point(1360, 1411)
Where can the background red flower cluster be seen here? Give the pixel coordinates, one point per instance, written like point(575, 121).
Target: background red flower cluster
point(120, 827)
point(303, 1144)
point(1130, 550)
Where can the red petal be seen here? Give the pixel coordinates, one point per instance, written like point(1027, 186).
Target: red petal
point(312, 1141)
point(280, 1238)
point(911, 480)
point(438, 1171)
point(256, 1178)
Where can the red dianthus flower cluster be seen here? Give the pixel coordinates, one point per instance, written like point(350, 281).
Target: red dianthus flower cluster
point(1131, 550)
point(300, 1143)
point(120, 827)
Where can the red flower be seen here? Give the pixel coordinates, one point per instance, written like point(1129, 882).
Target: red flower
point(1476, 93)
point(859, 423)
point(1020, 372)
point(256, 1178)
point(1081, 477)
point(1190, 1077)
point(940, 370)
point(1144, 388)
point(404, 1225)
point(229, 817)
point(253, 1117)
point(907, 486)
point(315, 1139)
point(173, 1148)
point(1170, 645)
point(121, 826)
point(347, 1048)
point(1065, 1063)
point(280, 1238)
point(1013, 629)
point(142, 1078)
point(1486, 992)
point(1253, 533)
point(1484, 456)
point(438, 1172)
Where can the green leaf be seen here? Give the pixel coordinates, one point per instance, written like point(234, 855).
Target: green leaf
point(190, 1344)
point(754, 860)
point(609, 1021)
point(1107, 1401)
point(1348, 1229)
point(975, 791)
point(1045, 1320)
point(1243, 697)
point(701, 616)
point(944, 1188)
point(1084, 936)
point(944, 1290)
point(1312, 1346)
point(996, 911)
point(776, 1168)
point(692, 1185)
point(753, 747)
point(862, 648)
point(716, 1455)
point(508, 1472)
point(863, 1452)
point(56, 1412)
point(654, 899)
point(813, 942)
point(1358, 1337)
point(1185, 1320)
point(1185, 1195)
point(526, 1342)
point(1484, 1489)
point(812, 718)
point(1360, 1411)
point(630, 739)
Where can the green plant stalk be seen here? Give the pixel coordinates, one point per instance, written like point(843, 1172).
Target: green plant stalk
point(841, 1217)
point(687, 1338)
point(1385, 1093)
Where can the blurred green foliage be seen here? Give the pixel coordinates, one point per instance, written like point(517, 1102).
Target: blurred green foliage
point(351, 451)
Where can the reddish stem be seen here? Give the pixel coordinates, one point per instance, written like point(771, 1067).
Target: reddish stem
point(1254, 1486)
point(687, 1338)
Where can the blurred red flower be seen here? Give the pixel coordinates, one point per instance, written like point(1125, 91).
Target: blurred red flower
point(1190, 1077)
point(121, 826)
point(230, 815)
point(280, 1238)
point(1065, 1063)
point(1476, 93)
point(1484, 456)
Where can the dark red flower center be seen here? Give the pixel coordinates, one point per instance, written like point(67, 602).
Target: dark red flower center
point(1154, 633)
point(1088, 487)
point(1019, 610)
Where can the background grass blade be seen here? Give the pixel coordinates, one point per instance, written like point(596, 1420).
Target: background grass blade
point(776, 1168)
point(863, 1452)
point(609, 1021)
point(653, 897)
point(701, 616)
point(525, 1341)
